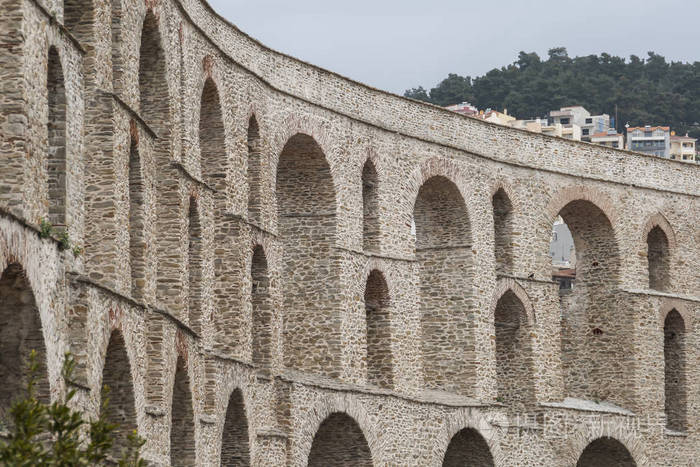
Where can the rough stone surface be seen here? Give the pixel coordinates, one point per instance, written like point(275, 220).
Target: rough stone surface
point(284, 267)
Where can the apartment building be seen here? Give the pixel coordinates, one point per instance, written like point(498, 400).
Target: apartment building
point(652, 140)
point(683, 148)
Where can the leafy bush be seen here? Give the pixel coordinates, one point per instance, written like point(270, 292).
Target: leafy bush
point(55, 435)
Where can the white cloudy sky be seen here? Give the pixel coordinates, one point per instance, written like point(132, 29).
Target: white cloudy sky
point(395, 45)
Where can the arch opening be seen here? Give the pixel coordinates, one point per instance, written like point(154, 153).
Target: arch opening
point(20, 333)
point(137, 225)
point(596, 332)
point(675, 371)
point(339, 442)
point(370, 208)
point(514, 368)
point(468, 447)
point(262, 310)
point(658, 259)
point(182, 447)
point(116, 377)
point(194, 264)
point(606, 451)
point(154, 95)
point(503, 230)
point(56, 156)
point(306, 209)
point(378, 323)
point(234, 444)
point(255, 175)
point(212, 138)
point(444, 254)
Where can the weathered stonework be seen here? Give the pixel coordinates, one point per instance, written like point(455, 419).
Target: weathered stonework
point(284, 267)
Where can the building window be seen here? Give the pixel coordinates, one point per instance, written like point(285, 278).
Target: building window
point(584, 131)
point(564, 121)
point(614, 144)
point(589, 120)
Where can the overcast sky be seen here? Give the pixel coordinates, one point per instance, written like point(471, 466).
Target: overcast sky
point(395, 45)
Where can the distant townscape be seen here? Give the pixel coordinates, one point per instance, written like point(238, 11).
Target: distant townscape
point(577, 123)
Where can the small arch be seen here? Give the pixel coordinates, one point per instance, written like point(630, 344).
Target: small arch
point(370, 208)
point(20, 333)
point(154, 96)
point(56, 127)
point(675, 388)
point(306, 212)
point(658, 259)
point(378, 324)
point(234, 444)
point(212, 138)
point(503, 220)
point(261, 300)
point(255, 175)
point(195, 265)
point(607, 452)
point(182, 444)
point(443, 246)
point(514, 365)
point(137, 219)
point(468, 447)
point(117, 387)
point(339, 442)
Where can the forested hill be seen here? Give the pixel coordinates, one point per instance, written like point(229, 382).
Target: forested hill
point(647, 91)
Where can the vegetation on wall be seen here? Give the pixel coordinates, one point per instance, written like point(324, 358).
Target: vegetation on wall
point(647, 91)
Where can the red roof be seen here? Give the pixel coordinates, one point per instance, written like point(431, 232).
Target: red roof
point(651, 128)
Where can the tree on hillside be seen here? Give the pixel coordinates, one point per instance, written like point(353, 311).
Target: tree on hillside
point(644, 91)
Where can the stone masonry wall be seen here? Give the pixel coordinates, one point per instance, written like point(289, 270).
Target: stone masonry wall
point(276, 265)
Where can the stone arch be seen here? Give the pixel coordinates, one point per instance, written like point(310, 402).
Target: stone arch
point(378, 324)
point(118, 389)
point(182, 422)
point(615, 431)
point(468, 447)
point(323, 410)
point(594, 327)
point(195, 266)
point(339, 442)
point(261, 300)
point(606, 451)
point(79, 19)
point(370, 207)
point(57, 147)
point(20, 334)
point(154, 93)
point(443, 247)
point(479, 433)
point(235, 447)
point(306, 212)
point(514, 354)
point(660, 242)
point(255, 174)
point(137, 217)
point(212, 138)
point(503, 220)
point(675, 371)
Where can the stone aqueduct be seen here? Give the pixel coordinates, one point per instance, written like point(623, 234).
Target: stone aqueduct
point(281, 266)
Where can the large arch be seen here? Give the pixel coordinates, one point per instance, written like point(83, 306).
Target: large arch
point(468, 448)
point(117, 387)
point(137, 218)
point(606, 451)
point(370, 207)
point(339, 442)
point(20, 334)
point(379, 357)
point(212, 138)
point(255, 175)
point(182, 441)
point(675, 385)
point(154, 95)
point(514, 355)
point(235, 450)
point(56, 128)
point(261, 300)
point(502, 208)
point(658, 259)
point(306, 212)
point(596, 331)
point(195, 266)
point(443, 251)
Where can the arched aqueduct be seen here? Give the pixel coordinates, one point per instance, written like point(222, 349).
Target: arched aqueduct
point(281, 266)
